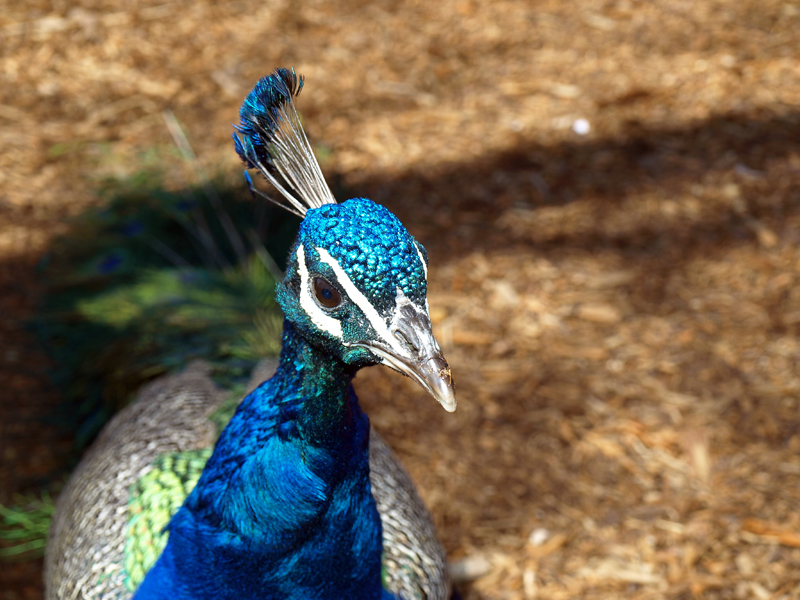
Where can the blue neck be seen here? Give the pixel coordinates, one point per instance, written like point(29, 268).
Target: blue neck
point(283, 508)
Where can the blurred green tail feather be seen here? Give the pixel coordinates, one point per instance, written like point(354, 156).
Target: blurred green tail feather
point(24, 526)
point(141, 287)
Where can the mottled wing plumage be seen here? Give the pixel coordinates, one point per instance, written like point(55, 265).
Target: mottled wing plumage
point(414, 565)
point(153, 500)
point(85, 550)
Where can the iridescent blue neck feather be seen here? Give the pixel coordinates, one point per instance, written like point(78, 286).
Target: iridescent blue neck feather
point(283, 508)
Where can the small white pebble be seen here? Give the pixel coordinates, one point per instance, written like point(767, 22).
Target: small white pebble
point(581, 126)
point(538, 536)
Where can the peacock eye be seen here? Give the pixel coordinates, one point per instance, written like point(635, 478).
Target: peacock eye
point(327, 295)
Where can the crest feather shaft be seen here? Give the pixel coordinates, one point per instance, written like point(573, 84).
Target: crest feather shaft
point(271, 139)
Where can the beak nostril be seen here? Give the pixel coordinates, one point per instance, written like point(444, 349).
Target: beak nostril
point(403, 339)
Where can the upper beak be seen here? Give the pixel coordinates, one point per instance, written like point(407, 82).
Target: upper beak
point(422, 359)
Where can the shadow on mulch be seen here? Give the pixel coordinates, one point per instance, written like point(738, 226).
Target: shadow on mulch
point(604, 171)
point(493, 204)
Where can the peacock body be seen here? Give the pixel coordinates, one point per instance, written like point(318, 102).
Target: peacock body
point(299, 499)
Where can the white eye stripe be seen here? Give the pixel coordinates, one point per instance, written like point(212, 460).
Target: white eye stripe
point(378, 324)
point(307, 303)
point(425, 270)
point(422, 260)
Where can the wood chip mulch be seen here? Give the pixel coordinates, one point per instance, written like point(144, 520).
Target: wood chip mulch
point(610, 196)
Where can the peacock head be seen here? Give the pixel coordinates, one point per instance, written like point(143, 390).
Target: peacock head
point(356, 282)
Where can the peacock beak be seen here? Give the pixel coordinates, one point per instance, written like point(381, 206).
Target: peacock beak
point(415, 352)
point(433, 373)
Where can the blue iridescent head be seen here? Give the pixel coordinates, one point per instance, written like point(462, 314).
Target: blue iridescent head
point(356, 282)
point(373, 248)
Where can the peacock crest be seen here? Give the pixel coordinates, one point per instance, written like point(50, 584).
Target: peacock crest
point(273, 141)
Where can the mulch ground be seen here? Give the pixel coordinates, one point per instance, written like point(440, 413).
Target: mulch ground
point(610, 196)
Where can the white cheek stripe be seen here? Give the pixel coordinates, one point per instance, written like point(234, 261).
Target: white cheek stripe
point(422, 260)
point(318, 317)
point(425, 270)
point(378, 324)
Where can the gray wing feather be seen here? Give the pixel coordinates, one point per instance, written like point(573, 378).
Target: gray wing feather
point(84, 557)
point(413, 560)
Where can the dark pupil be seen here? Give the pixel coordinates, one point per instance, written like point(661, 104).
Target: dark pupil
point(327, 295)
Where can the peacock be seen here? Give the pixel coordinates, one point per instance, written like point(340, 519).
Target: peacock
point(299, 498)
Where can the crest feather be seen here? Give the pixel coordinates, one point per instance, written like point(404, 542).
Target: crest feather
point(271, 139)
